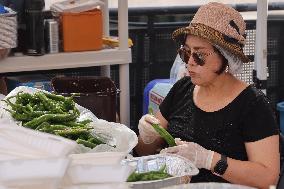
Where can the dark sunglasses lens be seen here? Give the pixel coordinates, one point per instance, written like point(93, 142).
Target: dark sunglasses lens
point(197, 60)
point(183, 55)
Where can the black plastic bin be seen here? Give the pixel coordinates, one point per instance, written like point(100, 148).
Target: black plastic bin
point(97, 94)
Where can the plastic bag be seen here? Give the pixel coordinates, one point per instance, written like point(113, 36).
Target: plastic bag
point(178, 70)
point(118, 136)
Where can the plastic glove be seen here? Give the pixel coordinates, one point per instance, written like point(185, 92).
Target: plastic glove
point(201, 157)
point(146, 131)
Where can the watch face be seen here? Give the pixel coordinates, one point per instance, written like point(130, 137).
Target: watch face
point(221, 166)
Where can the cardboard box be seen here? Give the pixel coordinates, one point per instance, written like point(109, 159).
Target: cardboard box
point(97, 94)
point(82, 31)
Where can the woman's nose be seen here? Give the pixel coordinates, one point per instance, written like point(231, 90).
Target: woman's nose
point(191, 61)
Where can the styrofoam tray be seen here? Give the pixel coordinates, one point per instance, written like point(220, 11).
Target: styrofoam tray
point(89, 174)
point(102, 158)
point(32, 172)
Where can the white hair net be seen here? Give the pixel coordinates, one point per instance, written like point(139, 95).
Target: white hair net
point(8, 29)
point(235, 64)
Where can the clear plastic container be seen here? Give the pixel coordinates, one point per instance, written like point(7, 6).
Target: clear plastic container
point(33, 173)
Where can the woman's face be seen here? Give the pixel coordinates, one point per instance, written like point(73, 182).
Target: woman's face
point(203, 62)
point(3, 53)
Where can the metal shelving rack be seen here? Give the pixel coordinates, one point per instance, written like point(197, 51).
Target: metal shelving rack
point(120, 56)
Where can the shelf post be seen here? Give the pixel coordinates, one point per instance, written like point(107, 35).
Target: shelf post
point(105, 70)
point(124, 68)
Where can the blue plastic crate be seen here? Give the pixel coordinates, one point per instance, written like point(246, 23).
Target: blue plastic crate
point(29, 81)
point(280, 108)
point(147, 89)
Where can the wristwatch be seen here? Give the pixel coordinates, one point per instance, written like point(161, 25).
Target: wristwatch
point(221, 166)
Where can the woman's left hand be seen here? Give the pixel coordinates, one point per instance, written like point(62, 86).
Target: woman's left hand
point(201, 157)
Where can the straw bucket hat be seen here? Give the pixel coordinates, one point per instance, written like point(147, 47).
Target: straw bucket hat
point(221, 25)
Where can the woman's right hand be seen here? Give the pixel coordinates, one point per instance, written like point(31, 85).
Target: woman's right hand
point(146, 131)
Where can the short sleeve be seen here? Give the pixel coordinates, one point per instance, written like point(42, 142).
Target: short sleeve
point(260, 121)
point(167, 105)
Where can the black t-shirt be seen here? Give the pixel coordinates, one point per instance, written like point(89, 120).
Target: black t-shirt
point(249, 117)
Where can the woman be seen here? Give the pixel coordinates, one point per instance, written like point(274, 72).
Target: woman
point(227, 127)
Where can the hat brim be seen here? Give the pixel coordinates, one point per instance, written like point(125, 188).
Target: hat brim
point(211, 35)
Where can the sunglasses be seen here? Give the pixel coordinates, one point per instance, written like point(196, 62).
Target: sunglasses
point(199, 58)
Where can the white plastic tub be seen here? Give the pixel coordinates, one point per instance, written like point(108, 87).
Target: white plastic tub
point(33, 173)
point(26, 141)
point(97, 158)
point(99, 186)
point(90, 174)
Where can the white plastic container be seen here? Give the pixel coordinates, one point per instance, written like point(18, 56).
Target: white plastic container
point(14, 138)
point(33, 173)
point(90, 174)
point(99, 186)
point(101, 158)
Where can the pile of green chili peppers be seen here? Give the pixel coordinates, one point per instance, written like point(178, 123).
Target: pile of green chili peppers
point(151, 175)
point(54, 114)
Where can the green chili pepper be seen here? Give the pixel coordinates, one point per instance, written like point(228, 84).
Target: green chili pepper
point(43, 125)
point(86, 143)
point(75, 124)
point(53, 128)
point(73, 134)
point(95, 140)
point(48, 104)
point(16, 107)
point(23, 98)
point(55, 97)
point(19, 117)
point(50, 117)
point(38, 107)
point(163, 132)
point(85, 121)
